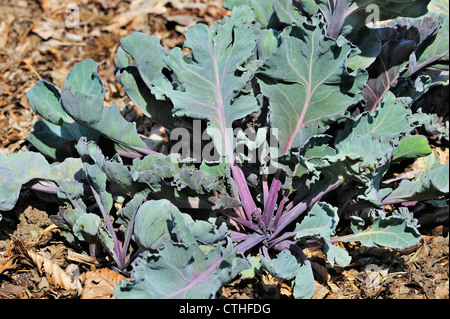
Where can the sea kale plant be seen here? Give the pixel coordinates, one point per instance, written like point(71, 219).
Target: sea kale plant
point(286, 121)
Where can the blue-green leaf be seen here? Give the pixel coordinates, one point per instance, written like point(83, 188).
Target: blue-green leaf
point(210, 81)
point(284, 266)
point(152, 224)
point(304, 283)
point(307, 81)
point(181, 271)
point(83, 98)
point(410, 147)
point(394, 232)
point(321, 221)
point(20, 168)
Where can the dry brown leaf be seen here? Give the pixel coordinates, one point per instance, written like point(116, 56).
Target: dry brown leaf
point(99, 283)
point(138, 10)
point(8, 264)
point(442, 291)
point(320, 292)
point(286, 290)
point(4, 30)
point(55, 275)
point(80, 258)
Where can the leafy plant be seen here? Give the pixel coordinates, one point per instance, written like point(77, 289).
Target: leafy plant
point(295, 114)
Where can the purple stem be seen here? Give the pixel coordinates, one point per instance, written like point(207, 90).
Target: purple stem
point(250, 242)
point(127, 240)
point(44, 189)
point(238, 236)
point(247, 224)
point(92, 249)
point(337, 19)
point(291, 215)
point(275, 241)
point(244, 192)
point(341, 238)
point(280, 211)
point(272, 198)
point(292, 246)
point(107, 220)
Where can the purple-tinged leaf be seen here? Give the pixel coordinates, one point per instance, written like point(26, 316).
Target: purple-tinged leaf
point(18, 169)
point(181, 271)
point(393, 231)
point(306, 81)
point(210, 82)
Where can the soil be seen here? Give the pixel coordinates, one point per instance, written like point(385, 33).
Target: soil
point(34, 45)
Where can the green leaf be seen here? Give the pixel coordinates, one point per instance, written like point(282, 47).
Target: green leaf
point(127, 212)
point(181, 271)
point(57, 133)
point(230, 4)
point(336, 254)
point(307, 82)
point(146, 53)
point(140, 95)
point(82, 99)
point(432, 184)
point(268, 43)
point(205, 232)
point(410, 147)
point(357, 13)
point(53, 141)
point(321, 221)
point(304, 283)
point(284, 266)
point(369, 44)
point(16, 170)
point(439, 7)
point(264, 12)
point(389, 120)
point(287, 12)
point(199, 181)
point(433, 52)
point(210, 81)
point(122, 59)
point(385, 71)
point(433, 45)
point(44, 100)
point(255, 267)
point(86, 227)
point(20, 168)
point(393, 232)
point(152, 220)
point(375, 151)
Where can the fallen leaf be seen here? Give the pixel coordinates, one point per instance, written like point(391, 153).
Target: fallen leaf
point(320, 292)
point(8, 264)
point(10, 291)
point(56, 276)
point(442, 291)
point(286, 290)
point(99, 283)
